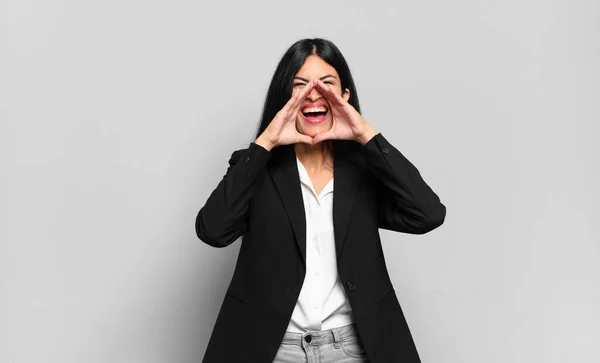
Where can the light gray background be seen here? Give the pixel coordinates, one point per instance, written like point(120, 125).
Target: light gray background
point(118, 119)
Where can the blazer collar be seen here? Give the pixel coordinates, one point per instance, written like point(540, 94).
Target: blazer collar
point(284, 172)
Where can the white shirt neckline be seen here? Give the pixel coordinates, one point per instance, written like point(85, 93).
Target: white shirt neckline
point(305, 179)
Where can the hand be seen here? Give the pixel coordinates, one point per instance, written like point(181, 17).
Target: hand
point(282, 129)
point(348, 124)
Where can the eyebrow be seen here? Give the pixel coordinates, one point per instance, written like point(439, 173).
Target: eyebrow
point(322, 78)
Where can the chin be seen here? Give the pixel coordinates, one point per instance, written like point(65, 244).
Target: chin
point(313, 130)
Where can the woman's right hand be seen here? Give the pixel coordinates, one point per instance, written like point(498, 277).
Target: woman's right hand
point(282, 129)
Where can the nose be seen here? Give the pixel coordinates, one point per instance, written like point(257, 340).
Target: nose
point(314, 94)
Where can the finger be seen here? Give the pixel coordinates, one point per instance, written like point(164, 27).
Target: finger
point(305, 139)
point(290, 103)
point(328, 92)
point(302, 95)
point(336, 97)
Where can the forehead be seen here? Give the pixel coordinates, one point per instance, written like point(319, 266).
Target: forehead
point(315, 66)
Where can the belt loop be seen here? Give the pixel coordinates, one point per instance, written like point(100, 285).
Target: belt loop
point(336, 338)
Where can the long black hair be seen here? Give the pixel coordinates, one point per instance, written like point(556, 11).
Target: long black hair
point(280, 89)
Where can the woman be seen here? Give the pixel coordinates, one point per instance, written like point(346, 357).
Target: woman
point(308, 196)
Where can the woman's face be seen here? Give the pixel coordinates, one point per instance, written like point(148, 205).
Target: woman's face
point(314, 116)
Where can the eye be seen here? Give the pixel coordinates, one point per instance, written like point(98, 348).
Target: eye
point(299, 85)
point(328, 82)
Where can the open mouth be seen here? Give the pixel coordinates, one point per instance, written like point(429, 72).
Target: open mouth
point(314, 114)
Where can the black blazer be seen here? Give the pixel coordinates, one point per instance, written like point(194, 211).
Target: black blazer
point(260, 198)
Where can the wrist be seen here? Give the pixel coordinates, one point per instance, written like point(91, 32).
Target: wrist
point(264, 142)
point(367, 135)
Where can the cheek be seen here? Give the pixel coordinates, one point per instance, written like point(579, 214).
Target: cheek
point(300, 124)
point(338, 89)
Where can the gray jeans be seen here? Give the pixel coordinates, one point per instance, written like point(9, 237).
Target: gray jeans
point(339, 345)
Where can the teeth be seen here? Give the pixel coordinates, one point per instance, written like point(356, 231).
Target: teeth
point(314, 109)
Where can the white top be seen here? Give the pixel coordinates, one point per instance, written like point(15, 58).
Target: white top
point(322, 303)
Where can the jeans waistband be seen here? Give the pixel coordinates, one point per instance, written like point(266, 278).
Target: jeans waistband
point(320, 337)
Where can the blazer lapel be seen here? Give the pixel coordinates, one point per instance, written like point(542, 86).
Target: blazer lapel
point(287, 180)
point(345, 183)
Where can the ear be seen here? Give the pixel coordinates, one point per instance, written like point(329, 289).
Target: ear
point(346, 94)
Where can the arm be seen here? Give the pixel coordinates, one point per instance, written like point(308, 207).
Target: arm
point(222, 219)
point(405, 202)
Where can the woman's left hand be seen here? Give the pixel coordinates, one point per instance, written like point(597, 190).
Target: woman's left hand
point(348, 124)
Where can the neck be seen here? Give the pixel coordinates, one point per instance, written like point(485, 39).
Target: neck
point(314, 157)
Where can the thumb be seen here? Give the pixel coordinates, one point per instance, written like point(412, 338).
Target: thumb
point(322, 136)
point(305, 139)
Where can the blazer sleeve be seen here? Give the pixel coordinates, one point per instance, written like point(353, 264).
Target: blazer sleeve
point(223, 217)
point(405, 203)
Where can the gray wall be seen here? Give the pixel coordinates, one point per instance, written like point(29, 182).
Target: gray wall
point(117, 119)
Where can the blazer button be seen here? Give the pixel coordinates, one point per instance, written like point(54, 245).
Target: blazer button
point(351, 286)
point(385, 150)
point(247, 159)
